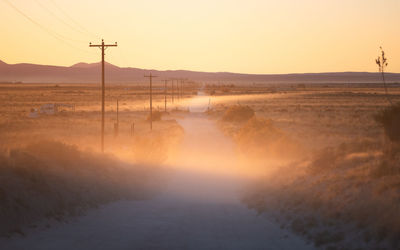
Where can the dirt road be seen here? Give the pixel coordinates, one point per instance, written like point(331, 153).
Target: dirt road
point(198, 209)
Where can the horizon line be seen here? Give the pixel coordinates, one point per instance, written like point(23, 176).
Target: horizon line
point(189, 70)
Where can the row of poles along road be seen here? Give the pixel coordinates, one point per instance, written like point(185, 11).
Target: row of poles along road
point(103, 47)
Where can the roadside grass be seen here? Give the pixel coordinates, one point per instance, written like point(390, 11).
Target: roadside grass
point(238, 113)
point(51, 166)
point(346, 174)
point(275, 142)
point(53, 180)
point(156, 116)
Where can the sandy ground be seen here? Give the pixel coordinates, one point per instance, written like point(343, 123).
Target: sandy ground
point(198, 209)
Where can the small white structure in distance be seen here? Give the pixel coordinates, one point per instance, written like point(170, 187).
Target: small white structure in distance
point(53, 108)
point(49, 109)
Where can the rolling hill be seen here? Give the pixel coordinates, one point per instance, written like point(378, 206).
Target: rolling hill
point(91, 73)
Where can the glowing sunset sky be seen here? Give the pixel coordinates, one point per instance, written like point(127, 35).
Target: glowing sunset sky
point(249, 36)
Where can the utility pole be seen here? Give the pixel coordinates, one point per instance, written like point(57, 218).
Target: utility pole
point(103, 47)
point(151, 99)
point(177, 89)
point(182, 81)
point(117, 111)
point(165, 95)
point(178, 86)
point(172, 86)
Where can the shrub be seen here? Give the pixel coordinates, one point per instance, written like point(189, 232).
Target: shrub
point(238, 113)
point(389, 118)
point(324, 160)
point(345, 155)
point(259, 137)
point(156, 116)
point(385, 168)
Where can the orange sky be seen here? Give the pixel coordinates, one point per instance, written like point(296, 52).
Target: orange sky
point(248, 36)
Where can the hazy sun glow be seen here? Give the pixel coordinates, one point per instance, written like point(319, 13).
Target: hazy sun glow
point(252, 36)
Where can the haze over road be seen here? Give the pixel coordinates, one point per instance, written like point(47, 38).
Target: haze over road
point(198, 209)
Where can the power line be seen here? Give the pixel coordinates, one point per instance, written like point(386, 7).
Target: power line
point(52, 33)
point(47, 30)
point(59, 19)
point(73, 20)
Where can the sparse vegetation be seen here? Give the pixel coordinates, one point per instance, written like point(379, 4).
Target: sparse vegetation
point(382, 63)
point(44, 177)
point(156, 116)
point(389, 119)
point(52, 180)
point(238, 113)
point(259, 131)
point(343, 178)
point(334, 172)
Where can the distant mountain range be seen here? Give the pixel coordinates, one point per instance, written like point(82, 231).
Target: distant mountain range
point(91, 73)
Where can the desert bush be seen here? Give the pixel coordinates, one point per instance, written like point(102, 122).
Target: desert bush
point(345, 155)
point(259, 137)
point(156, 116)
point(154, 148)
point(389, 119)
point(385, 168)
point(238, 113)
point(324, 160)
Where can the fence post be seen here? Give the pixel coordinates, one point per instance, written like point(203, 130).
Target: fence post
point(133, 129)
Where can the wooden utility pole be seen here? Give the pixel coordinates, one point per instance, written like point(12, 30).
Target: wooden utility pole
point(172, 87)
point(177, 89)
point(117, 112)
point(181, 92)
point(103, 47)
point(151, 99)
point(165, 95)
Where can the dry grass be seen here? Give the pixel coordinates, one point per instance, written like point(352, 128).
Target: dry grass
point(343, 179)
point(259, 131)
point(238, 113)
point(82, 126)
point(51, 167)
point(49, 179)
point(389, 119)
point(156, 116)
